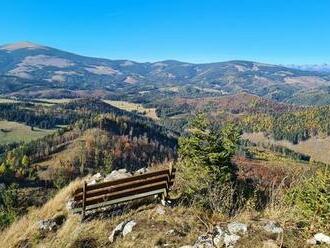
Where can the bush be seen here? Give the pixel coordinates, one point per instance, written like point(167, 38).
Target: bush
point(8, 205)
point(311, 198)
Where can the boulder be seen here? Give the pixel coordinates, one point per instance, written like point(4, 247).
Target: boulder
point(117, 231)
point(92, 182)
point(128, 227)
point(273, 227)
point(117, 174)
point(230, 240)
point(311, 241)
point(51, 224)
point(121, 230)
point(141, 171)
point(47, 225)
point(218, 237)
point(322, 238)
point(237, 228)
point(97, 176)
point(70, 204)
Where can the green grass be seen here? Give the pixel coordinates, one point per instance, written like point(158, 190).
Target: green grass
point(129, 106)
point(16, 132)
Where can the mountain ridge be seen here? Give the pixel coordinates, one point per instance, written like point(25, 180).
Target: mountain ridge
point(40, 69)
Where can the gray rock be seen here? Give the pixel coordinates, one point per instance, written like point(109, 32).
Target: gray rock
point(218, 237)
point(170, 232)
point(70, 204)
point(237, 228)
point(122, 230)
point(92, 182)
point(322, 238)
point(186, 246)
point(311, 241)
point(47, 225)
point(204, 241)
point(97, 176)
point(273, 227)
point(51, 224)
point(141, 171)
point(117, 174)
point(117, 231)
point(230, 240)
point(128, 227)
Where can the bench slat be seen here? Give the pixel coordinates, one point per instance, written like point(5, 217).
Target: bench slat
point(124, 180)
point(124, 186)
point(127, 192)
point(121, 200)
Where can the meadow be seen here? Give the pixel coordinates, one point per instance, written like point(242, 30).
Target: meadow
point(129, 106)
point(316, 147)
point(11, 131)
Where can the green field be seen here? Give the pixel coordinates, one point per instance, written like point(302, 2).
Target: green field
point(15, 132)
point(129, 106)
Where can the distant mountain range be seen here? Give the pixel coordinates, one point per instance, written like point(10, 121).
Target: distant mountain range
point(32, 70)
point(317, 67)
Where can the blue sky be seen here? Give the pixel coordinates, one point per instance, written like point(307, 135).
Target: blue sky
point(273, 31)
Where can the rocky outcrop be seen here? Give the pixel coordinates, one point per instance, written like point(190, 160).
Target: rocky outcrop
point(51, 224)
point(122, 230)
point(222, 237)
point(272, 227)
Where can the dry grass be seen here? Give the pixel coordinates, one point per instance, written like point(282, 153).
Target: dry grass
point(26, 228)
point(150, 230)
point(316, 147)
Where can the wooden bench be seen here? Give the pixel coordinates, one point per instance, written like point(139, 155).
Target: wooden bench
point(104, 194)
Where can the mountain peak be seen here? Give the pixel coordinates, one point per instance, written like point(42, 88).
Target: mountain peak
point(21, 45)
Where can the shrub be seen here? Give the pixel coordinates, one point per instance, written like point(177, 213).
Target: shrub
point(8, 205)
point(311, 198)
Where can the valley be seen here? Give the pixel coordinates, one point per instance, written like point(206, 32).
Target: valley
point(248, 140)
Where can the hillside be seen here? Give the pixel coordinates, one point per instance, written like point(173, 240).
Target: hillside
point(28, 69)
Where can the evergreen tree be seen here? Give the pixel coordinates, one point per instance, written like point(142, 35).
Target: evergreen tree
point(204, 156)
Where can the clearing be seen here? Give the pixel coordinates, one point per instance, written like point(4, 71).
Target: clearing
point(11, 131)
point(129, 106)
point(316, 147)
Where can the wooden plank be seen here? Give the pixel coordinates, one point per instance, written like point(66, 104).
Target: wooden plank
point(124, 186)
point(84, 201)
point(95, 192)
point(120, 200)
point(123, 180)
point(122, 190)
point(128, 192)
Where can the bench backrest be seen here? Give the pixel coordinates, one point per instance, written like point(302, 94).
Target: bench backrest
point(122, 190)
